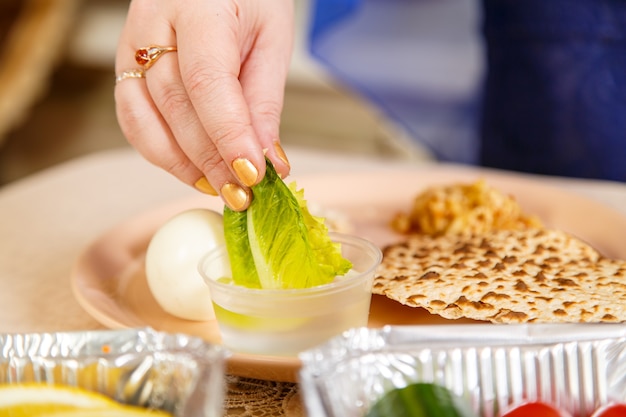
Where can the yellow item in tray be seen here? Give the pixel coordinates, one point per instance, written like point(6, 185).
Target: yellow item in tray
point(41, 400)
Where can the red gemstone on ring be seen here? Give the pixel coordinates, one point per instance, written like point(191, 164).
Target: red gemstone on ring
point(142, 56)
point(148, 55)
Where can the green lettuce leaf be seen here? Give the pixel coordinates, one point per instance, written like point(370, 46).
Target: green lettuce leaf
point(278, 243)
point(238, 247)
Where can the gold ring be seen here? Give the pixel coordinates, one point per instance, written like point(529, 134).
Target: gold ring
point(148, 55)
point(131, 73)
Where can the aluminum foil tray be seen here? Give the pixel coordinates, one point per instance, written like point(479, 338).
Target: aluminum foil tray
point(575, 366)
point(177, 373)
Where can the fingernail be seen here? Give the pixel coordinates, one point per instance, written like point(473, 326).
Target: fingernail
point(234, 196)
point(280, 152)
point(203, 185)
point(246, 171)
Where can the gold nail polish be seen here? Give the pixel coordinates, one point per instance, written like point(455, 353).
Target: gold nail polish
point(246, 171)
point(203, 185)
point(280, 152)
point(234, 196)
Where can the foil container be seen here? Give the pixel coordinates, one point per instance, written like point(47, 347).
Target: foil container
point(577, 367)
point(180, 374)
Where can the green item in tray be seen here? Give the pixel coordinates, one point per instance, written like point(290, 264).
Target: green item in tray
point(421, 400)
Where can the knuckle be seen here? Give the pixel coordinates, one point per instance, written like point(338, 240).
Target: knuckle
point(209, 161)
point(267, 109)
point(211, 85)
point(227, 134)
point(204, 79)
point(177, 166)
point(173, 100)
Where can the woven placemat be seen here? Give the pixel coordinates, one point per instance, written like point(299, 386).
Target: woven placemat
point(246, 397)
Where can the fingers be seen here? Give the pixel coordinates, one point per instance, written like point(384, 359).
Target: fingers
point(208, 112)
point(210, 73)
point(172, 100)
point(262, 78)
point(138, 116)
point(139, 119)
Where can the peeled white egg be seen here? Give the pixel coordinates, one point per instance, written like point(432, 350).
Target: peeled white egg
point(172, 261)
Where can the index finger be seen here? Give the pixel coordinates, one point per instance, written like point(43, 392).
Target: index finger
point(210, 57)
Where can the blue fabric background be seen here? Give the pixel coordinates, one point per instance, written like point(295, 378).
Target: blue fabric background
point(555, 99)
point(530, 85)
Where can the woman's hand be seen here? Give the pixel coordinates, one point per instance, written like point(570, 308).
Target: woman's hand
point(208, 111)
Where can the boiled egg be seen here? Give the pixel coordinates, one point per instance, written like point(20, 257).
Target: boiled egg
point(172, 259)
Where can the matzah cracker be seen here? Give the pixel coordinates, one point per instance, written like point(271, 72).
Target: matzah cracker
point(532, 275)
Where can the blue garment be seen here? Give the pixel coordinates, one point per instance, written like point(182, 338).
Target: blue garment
point(527, 85)
point(555, 100)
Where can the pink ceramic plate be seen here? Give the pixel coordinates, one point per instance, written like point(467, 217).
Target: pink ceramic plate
point(109, 280)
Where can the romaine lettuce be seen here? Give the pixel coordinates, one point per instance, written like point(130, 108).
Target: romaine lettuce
point(277, 242)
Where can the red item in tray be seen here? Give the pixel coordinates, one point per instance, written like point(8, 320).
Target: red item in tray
point(539, 409)
point(536, 409)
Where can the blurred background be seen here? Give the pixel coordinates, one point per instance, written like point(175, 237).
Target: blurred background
point(57, 79)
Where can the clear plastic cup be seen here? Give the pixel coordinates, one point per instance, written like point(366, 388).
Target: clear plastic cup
point(285, 322)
